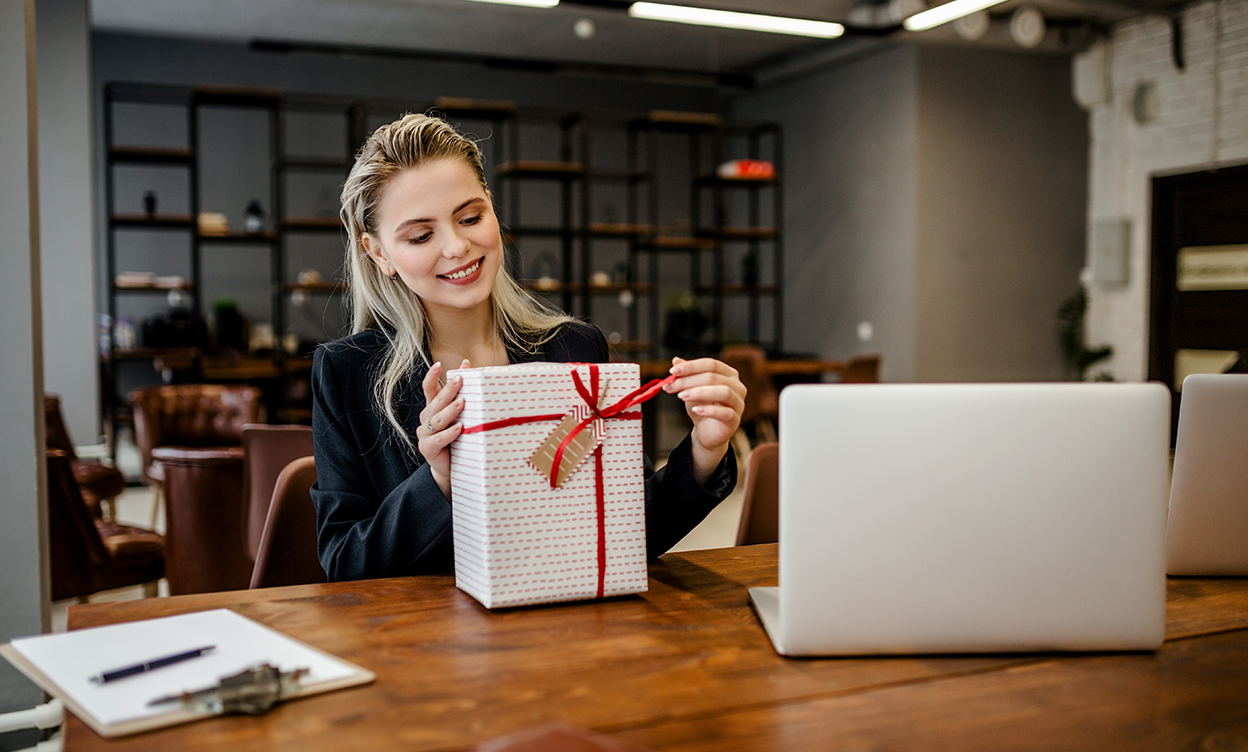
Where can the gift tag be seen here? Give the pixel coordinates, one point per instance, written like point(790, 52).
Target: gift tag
point(580, 447)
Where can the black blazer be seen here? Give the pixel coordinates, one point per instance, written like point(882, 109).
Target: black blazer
point(379, 512)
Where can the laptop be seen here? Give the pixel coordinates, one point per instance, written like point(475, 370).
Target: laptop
point(959, 518)
point(1207, 533)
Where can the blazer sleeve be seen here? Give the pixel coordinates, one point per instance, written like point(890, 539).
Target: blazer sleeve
point(363, 530)
point(675, 502)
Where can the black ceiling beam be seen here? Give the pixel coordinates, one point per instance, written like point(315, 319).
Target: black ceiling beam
point(526, 65)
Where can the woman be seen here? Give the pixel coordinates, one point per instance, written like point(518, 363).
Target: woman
point(428, 288)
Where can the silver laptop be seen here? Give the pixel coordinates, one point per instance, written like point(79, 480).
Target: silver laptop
point(1207, 533)
point(970, 518)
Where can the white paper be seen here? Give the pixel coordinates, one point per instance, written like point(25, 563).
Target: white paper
point(71, 659)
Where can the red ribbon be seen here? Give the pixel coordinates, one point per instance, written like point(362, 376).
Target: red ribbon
point(590, 396)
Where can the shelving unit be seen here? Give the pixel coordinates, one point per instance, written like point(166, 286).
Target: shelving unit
point(633, 197)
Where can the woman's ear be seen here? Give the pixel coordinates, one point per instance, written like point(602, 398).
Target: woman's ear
point(373, 249)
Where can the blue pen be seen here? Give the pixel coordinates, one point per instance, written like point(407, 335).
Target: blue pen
point(144, 667)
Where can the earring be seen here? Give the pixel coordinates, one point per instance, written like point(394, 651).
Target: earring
point(395, 277)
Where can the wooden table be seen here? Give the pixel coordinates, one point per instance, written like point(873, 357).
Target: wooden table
point(687, 667)
point(805, 367)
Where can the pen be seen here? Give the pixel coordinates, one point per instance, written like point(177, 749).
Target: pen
point(155, 663)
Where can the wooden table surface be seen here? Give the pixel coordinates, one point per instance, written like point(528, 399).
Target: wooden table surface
point(687, 666)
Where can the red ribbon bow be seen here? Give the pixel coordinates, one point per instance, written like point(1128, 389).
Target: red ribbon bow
point(590, 396)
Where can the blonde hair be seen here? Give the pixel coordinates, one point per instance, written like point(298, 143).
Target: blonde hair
point(378, 302)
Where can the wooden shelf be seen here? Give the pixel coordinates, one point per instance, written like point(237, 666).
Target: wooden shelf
point(150, 353)
point(242, 368)
point(713, 179)
point(238, 236)
point(153, 220)
point(155, 287)
point(619, 229)
point(317, 288)
point(537, 169)
point(152, 155)
point(679, 243)
point(684, 120)
point(641, 288)
point(747, 233)
point(312, 223)
point(735, 289)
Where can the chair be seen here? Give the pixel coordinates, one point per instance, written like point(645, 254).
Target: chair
point(861, 369)
point(89, 555)
point(287, 553)
point(206, 521)
point(100, 484)
point(762, 402)
point(760, 512)
point(267, 450)
point(189, 415)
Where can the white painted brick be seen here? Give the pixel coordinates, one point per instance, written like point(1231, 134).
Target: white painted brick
point(1192, 131)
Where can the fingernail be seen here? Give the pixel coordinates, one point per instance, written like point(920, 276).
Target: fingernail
point(435, 366)
point(684, 395)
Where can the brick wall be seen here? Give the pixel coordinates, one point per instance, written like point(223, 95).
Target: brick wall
point(1201, 121)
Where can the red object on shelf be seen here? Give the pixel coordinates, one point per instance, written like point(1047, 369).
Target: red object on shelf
point(747, 169)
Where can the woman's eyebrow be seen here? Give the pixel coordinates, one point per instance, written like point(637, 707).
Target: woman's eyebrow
point(422, 220)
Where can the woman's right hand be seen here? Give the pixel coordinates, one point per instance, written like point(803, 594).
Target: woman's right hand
point(439, 424)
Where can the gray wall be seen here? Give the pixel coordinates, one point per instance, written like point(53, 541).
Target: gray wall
point(938, 193)
point(1002, 206)
point(23, 593)
point(67, 225)
point(851, 193)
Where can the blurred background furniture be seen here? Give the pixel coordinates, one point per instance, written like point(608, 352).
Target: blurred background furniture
point(287, 552)
point(760, 508)
point(189, 416)
point(762, 402)
point(90, 554)
point(100, 484)
point(267, 450)
point(861, 369)
point(205, 524)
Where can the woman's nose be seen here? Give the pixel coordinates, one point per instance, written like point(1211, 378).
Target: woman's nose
point(456, 246)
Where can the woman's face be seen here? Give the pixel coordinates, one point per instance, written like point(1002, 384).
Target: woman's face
point(436, 228)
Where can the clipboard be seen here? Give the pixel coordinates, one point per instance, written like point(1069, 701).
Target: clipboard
point(61, 665)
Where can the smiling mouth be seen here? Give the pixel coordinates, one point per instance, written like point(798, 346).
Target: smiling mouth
point(466, 271)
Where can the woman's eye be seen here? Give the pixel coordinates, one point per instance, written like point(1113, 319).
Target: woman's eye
point(420, 238)
point(473, 220)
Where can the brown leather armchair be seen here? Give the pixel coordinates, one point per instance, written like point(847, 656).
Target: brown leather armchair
point(100, 484)
point(267, 450)
point(89, 555)
point(287, 553)
point(762, 402)
point(760, 510)
point(205, 519)
point(189, 415)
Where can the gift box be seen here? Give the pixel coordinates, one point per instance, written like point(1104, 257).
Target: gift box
point(547, 493)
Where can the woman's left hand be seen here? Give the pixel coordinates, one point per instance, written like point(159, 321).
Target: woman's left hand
point(714, 398)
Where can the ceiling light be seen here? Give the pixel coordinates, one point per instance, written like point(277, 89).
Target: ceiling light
point(1027, 27)
point(946, 13)
point(733, 20)
point(530, 3)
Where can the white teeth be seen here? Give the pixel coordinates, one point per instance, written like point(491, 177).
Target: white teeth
point(464, 273)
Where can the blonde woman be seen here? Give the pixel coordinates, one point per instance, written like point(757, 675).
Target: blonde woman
point(430, 292)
